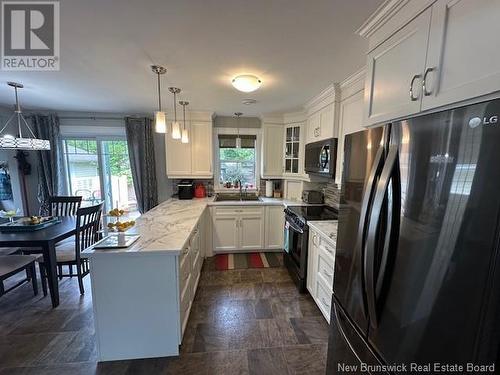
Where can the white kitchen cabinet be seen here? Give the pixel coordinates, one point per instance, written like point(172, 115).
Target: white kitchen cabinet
point(225, 232)
point(394, 73)
point(272, 151)
point(201, 149)
point(463, 55)
point(442, 53)
point(251, 228)
point(320, 267)
point(293, 157)
point(193, 159)
point(321, 124)
point(275, 222)
point(178, 157)
point(238, 228)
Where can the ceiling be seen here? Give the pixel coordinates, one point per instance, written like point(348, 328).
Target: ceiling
point(297, 48)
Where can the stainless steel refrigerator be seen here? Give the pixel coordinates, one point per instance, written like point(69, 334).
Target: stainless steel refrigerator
point(417, 277)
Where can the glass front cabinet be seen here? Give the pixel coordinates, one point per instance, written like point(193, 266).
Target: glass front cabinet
point(293, 165)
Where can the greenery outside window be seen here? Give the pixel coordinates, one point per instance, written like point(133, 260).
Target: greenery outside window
point(237, 164)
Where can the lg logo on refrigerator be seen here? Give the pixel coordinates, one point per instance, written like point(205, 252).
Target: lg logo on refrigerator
point(476, 121)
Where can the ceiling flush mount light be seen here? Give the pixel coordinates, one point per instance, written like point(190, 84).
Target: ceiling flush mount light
point(185, 134)
point(8, 141)
point(176, 127)
point(238, 139)
point(246, 82)
point(160, 116)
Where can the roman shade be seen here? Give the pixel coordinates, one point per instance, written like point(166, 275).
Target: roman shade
point(229, 141)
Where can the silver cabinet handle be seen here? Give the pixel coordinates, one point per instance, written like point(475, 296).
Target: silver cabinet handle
point(416, 76)
point(424, 81)
point(329, 275)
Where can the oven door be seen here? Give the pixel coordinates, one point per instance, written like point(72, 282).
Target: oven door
point(294, 243)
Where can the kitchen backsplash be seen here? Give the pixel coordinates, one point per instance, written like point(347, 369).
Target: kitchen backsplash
point(332, 195)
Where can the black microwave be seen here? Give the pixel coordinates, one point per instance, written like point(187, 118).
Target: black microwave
point(321, 157)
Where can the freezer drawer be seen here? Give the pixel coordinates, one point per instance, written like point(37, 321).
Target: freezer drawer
point(348, 353)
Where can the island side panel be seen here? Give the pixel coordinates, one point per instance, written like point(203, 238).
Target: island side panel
point(136, 306)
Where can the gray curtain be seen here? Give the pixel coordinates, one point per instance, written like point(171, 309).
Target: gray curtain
point(49, 162)
point(142, 161)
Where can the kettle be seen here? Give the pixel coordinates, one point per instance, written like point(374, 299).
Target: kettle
point(200, 191)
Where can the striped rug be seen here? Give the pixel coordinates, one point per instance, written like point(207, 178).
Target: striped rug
point(225, 262)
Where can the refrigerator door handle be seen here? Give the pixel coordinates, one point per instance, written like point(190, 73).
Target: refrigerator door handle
point(369, 261)
point(363, 219)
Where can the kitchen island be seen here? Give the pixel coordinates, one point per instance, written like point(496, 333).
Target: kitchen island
point(142, 295)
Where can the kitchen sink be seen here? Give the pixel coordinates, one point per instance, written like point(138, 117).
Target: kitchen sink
point(230, 197)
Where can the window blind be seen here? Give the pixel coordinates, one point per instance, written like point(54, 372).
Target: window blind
point(229, 140)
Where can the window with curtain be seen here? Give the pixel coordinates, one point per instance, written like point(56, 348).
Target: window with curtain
point(237, 164)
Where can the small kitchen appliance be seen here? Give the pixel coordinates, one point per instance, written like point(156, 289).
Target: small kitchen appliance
point(200, 191)
point(186, 190)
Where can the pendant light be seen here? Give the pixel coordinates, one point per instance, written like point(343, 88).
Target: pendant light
point(238, 139)
point(160, 116)
point(8, 141)
point(185, 134)
point(176, 127)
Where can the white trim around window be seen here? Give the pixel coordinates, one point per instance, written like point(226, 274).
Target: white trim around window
point(243, 131)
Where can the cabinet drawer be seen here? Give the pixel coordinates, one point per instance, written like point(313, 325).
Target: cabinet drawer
point(324, 300)
point(327, 247)
point(325, 268)
point(184, 269)
point(225, 211)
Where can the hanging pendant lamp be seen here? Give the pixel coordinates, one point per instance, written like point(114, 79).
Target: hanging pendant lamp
point(160, 116)
point(8, 141)
point(238, 139)
point(185, 133)
point(176, 127)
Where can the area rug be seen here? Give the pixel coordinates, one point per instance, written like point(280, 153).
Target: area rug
point(225, 262)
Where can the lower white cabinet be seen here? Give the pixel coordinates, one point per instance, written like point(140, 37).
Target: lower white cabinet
point(275, 222)
point(238, 228)
point(320, 267)
point(247, 228)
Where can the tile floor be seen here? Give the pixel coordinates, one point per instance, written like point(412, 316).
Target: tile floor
point(242, 322)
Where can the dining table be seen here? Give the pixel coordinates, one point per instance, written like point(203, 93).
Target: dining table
point(43, 241)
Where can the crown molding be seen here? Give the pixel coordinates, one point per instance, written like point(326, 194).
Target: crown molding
point(353, 78)
point(329, 95)
point(383, 13)
point(294, 117)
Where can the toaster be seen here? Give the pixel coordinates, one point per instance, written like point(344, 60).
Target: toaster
point(186, 189)
point(312, 197)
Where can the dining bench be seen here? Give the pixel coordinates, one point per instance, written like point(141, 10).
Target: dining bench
point(11, 265)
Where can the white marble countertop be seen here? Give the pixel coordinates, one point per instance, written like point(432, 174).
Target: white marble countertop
point(328, 228)
point(167, 227)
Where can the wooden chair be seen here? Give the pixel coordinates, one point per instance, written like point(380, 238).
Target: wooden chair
point(64, 205)
point(88, 224)
point(13, 264)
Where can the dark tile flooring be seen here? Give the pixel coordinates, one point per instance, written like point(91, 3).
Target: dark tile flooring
point(242, 322)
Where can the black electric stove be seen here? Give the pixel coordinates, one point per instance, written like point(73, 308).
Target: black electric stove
point(297, 238)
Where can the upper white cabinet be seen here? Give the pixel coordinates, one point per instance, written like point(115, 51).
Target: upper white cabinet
point(193, 159)
point(322, 116)
point(394, 73)
point(426, 54)
point(272, 150)
point(293, 155)
point(463, 55)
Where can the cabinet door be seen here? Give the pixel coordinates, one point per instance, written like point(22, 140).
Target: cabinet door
point(311, 263)
point(251, 230)
point(351, 121)
point(392, 67)
point(225, 232)
point(201, 149)
point(178, 157)
point(313, 127)
point(272, 154)
point(327, 123)
point(463, 51)
point(275, 222)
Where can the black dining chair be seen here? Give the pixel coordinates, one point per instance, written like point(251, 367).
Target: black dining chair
point(13, 264)
point(64, 205)
point(68, 252)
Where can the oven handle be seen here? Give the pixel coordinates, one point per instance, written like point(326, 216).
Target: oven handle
point(289, 225)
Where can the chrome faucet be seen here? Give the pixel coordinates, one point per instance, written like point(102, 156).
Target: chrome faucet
point(241, 189)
